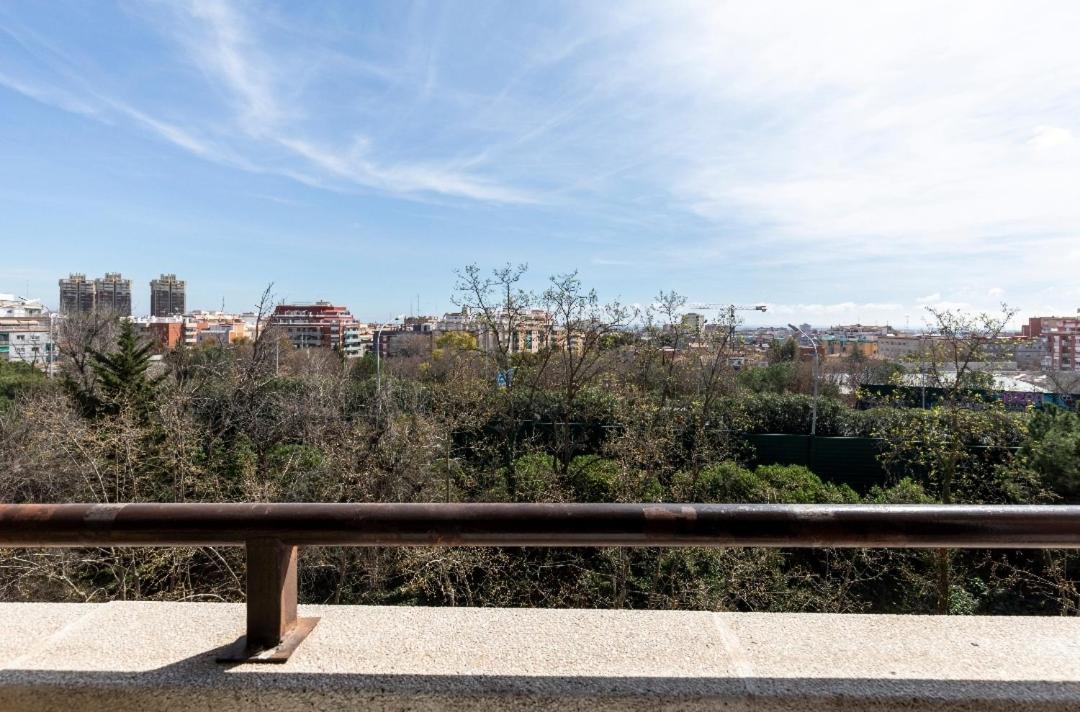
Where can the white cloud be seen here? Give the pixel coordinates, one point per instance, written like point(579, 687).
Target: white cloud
point(1049, 137)
point(221, 43)
point(831, 314)
point(897, 147)
point(869, 127)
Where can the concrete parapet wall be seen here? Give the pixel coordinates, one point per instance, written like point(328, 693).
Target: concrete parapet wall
point(147, 656)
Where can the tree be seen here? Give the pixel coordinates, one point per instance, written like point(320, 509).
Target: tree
point(454, 342)
point(785, 351)
point(497, 303)
point(79, 336)
point(122, 378)
point(580, 326)
point(941, 439)
point(19, 378)
point(500, 307)
point(1053, 450)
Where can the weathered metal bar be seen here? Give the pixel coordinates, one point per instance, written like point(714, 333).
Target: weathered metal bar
point(271, 592)
point(762, 525)
point(273, 629)
point(272, 532)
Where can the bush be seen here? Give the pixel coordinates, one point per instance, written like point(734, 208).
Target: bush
point(1052, 450)
point(786, 484)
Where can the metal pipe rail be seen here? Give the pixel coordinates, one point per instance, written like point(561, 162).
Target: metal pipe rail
point(271, 534)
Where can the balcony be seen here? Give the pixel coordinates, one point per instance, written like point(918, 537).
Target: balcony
point(153, 655)
point(146, 656)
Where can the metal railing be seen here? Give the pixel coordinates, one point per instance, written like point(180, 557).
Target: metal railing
point(271, 534)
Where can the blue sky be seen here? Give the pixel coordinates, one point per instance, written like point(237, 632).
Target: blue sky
point(837, 161)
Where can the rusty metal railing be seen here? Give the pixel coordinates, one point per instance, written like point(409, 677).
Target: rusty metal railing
point(271, 534)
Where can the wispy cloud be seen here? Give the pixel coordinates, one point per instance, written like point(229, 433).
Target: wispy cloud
point(872, 128)
point(266, 130)
point(905, 147)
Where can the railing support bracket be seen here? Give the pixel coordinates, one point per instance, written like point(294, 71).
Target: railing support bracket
point(273, 629)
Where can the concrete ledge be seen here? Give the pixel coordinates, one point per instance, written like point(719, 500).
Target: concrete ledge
point(150, 656)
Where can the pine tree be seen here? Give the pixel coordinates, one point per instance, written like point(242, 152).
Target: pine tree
point(122, 376)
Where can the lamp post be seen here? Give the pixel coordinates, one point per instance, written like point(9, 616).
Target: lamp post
point(378, 353)
point(50, 347)
point(817, 373)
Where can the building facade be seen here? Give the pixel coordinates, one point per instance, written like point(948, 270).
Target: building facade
point(531, 333)
point(167, 296)
point(832, 345)
point(165, 333)
point(1038, 325)
point(26, 334)
point(1029, 355)
point(1063, 347)
point(113, 293)
point(226, 328)
point(694, 321)
point(897, 348)
point(76, 294)
point(320, 325)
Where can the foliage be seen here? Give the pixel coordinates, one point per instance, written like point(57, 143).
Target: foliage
point(656, 415)
point(122, 379)
point(1052, 451)
point(19, 379)
point(781, 484)
point(785, 351)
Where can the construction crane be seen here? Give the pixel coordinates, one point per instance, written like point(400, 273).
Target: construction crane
point(730, 309)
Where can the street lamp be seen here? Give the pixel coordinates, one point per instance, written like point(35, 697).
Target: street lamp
point(378, 352)
point(817, 373)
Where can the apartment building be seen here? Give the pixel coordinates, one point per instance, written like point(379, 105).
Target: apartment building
point(165, 333)
point(1029, 355)
point(839, 345)
point(220, 328)
point(530, 333)
point(898, 348)
point(320, 325)
point(693, 321)
point(77, 294)
point(1063, 347)
point(1038, 325)
point(167, 296)
point(26, 334)
point(113, 293)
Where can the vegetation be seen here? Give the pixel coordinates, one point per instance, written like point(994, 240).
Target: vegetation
point(660, 417)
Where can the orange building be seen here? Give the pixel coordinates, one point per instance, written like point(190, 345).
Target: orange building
point(166, 334)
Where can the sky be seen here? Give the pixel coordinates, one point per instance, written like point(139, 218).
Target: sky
point(838, 161)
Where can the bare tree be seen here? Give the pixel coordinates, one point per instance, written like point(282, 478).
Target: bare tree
point(497, 303)
point(500, 307)
point(79, 337)
point(581, 331)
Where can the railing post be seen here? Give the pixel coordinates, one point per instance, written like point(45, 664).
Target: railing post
point(273, 629)
point(271, 592)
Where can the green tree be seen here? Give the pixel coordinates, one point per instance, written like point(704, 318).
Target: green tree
point(940, 441)
point(122, 378)
point(783, 351)
point(19, 378)
point(1052, 450)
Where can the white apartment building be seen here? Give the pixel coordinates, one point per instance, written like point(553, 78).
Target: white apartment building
point(26, 334)
point(897, 348)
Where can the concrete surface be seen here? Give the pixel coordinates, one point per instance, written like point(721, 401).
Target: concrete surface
point(149, 656)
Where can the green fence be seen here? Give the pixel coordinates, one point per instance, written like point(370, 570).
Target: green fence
point(850, 461)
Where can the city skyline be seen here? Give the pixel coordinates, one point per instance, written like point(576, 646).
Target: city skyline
point(836, 163)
